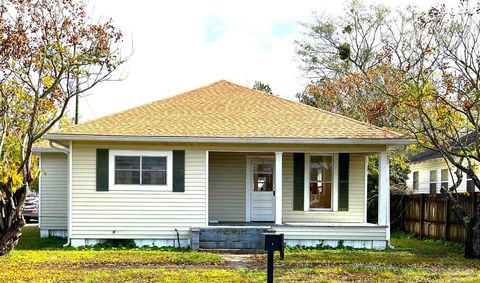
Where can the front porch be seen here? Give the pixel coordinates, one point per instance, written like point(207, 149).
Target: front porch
point(254, 192)
point(247, 237)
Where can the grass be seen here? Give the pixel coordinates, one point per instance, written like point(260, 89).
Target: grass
point(408, 252)
point(45, 260)
point(31, 241)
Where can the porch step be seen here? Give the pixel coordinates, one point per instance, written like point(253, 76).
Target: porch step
point(232, 238)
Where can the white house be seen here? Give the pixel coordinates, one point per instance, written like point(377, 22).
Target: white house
point(429, 172)
point(219, 161)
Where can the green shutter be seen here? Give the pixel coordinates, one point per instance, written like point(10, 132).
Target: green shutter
point(298, 180)
point(343, 168)
point(179, 170)
point(102, 169)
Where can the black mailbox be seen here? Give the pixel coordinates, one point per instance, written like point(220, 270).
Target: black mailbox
point(272, 242)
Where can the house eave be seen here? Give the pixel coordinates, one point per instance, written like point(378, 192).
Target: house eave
point(248, 140)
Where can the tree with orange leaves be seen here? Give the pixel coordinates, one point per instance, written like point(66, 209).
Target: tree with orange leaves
point(49, 54)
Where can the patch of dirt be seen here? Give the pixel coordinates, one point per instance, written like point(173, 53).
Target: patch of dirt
point(239, 261)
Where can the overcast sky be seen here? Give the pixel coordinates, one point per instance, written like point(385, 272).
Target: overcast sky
point(181, 45)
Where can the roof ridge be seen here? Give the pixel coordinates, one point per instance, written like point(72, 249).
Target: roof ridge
point(320, 109)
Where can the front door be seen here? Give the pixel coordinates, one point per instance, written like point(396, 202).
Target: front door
point(262, 207)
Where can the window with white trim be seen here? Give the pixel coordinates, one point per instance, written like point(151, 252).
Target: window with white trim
point(140, 169)
point(444, 178)
point(320, 182)
point(433, 181)
point(470, 184)
point(415, 181)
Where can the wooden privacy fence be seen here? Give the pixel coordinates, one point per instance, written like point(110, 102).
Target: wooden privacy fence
point(431, 216)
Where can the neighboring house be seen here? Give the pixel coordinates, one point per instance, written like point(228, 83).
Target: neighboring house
point(220, 159)
point(429, 172)
point(52, 187)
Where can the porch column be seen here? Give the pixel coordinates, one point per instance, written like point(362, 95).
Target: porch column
point(384, 191)
point(278, 187)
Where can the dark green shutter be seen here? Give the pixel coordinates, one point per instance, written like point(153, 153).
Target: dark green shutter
point(343, 168)
point(179, 170)
point(102, 169)
point(298, 180)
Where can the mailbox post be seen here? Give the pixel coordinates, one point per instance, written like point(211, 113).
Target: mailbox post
point(272, 242)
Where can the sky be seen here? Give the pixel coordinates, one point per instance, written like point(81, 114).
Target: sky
point(176, 46)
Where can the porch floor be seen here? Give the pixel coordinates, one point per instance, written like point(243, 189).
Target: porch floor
point(236, 223)
point(299, 224)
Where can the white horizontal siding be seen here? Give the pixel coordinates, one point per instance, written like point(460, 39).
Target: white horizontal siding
point(227, 181)
point(423, 168)
point(355, 213)
point(53, 194)
point(135, 214)
point(226, 191)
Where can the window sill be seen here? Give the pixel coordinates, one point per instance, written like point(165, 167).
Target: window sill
point(326, 210)
point(165, 188)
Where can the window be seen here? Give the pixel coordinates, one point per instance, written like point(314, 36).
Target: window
point(320, 182)
point(470, 185)
point(415, 181)
point(145, 170)
point(127, 170)
point(263, 177)
point(433, 182)
point(142, 169)
point(444, 178)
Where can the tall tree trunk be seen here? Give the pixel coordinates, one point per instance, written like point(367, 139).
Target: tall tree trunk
point(11, 217)
point(472, 243)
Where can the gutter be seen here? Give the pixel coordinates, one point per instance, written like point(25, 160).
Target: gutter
point(66, 149)
point(69, 195)
point(248, 140)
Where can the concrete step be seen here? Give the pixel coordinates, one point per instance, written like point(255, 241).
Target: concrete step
point(229, 245)
point(231, 238)
point(233, 251)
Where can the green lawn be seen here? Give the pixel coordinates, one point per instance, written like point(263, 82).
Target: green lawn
point(44, 260)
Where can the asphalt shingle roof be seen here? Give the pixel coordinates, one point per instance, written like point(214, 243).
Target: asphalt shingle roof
point(224, 109)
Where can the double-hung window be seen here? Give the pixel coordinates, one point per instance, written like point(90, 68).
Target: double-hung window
point(415, 180)
point(444, 178)
point(141, 169)
point(320, 186)
point(433, 182)
point(470, 184)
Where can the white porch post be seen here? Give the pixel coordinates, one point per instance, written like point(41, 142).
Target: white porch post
point(278, 187)
point(384, 191)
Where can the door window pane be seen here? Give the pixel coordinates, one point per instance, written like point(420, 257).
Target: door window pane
point(262, 182)
point(263, 168)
